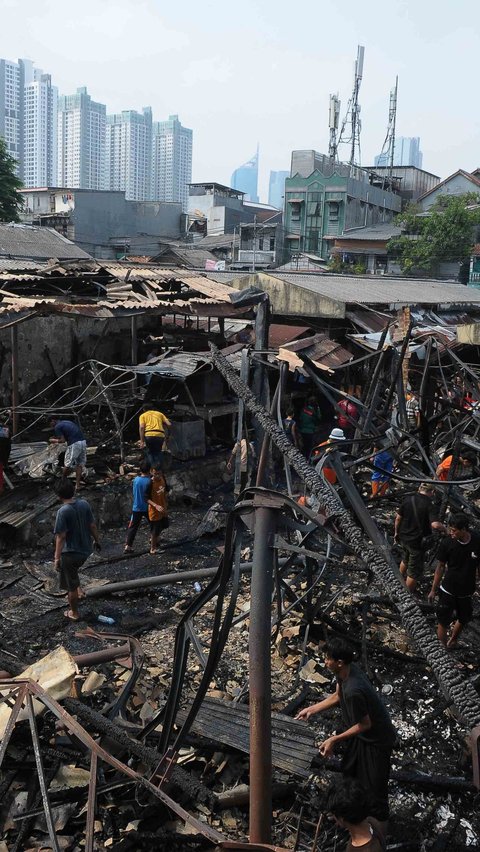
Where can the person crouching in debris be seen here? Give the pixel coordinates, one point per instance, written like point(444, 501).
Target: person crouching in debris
point(140, 487)
point(415, 519)
point(369, 733)
point(349, 804)
point(382, 473)
point(157, 506)
point(67, 432)
point(322, 467)
point(455, 578)
point(76, 535)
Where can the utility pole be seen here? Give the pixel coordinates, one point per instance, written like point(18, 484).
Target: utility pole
point(254, 258)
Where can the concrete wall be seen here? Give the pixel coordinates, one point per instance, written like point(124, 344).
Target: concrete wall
point(101, 220)
point(69, 341)
point(289, 300)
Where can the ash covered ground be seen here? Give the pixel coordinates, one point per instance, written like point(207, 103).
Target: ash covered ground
point(429, 815)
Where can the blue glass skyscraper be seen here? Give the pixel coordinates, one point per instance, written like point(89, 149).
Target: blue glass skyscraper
point(245, 179)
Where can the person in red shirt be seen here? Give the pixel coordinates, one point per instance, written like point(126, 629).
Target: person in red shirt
point(348, 412)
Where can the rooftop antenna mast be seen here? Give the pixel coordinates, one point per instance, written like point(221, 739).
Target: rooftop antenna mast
point(352, 116)
point(387, 154)
point(333, 117)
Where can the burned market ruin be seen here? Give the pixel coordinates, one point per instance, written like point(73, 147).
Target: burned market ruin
point(164, 716)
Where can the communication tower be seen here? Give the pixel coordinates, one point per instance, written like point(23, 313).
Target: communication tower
point(352, 117)
point(333, 117)
point(388, 149)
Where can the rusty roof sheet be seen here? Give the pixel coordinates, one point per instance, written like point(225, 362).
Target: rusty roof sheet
point(326, 353)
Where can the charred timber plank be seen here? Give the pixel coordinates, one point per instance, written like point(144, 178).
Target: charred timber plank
point(293, 745)
point(450, 679)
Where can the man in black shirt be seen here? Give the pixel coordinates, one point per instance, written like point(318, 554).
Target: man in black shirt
point(415, 519)
point(455, 578)
point(369, 732)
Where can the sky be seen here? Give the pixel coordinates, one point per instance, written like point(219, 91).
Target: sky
point(262, 71)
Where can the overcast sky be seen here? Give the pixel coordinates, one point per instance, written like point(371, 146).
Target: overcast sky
point(263, 70)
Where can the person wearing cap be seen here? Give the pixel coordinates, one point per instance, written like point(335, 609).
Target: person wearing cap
point(333, 442)
point(415, 519)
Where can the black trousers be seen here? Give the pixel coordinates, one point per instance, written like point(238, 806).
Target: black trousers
point(133, 526)
point(369, 763)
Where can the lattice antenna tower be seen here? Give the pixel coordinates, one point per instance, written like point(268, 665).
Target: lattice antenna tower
point(333, 119)
point(388, 150)
point(352, 117)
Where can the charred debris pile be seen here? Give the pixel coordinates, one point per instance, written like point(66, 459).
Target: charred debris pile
point(138, 734)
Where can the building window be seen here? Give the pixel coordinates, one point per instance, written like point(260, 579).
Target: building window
point(272, 243)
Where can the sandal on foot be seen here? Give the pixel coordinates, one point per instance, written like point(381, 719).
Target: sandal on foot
point(69, 614)
point(127, 549)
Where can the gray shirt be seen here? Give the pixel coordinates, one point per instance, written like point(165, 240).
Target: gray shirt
point(75, 519)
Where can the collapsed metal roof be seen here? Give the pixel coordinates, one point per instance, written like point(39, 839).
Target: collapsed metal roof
point(104, 290)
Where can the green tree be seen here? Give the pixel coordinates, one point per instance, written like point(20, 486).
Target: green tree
point(445, 234)
point(10, 201)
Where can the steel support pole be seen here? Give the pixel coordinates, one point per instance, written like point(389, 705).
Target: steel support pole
point(14, 345)
point(260, 677)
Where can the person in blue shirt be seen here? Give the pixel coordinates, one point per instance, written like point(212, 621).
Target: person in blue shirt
point(69, 433)
point(141, 488)
point(382, 473)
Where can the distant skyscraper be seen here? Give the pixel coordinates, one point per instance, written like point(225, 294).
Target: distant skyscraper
point(40, 131)
point(171, 161)
point(11, 107)
point(245, 179)
point(128, 160)
point(406, 153)
point(276, 188)
point(81, 142)
point(28, 106)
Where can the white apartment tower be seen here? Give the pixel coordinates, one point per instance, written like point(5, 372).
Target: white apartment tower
point(171, 161)
point(128, 159)
point(40, 131)
point(81, 127)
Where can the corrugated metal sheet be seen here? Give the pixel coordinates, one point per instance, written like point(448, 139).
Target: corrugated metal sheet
point(279, 335)
point(381, 291)
point(25, 503)
point(32, 243)
point(321, 349)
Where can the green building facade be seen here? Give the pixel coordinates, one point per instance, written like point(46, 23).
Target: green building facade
point(330, 201)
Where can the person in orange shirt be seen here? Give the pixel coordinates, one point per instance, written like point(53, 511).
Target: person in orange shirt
point(442, 471)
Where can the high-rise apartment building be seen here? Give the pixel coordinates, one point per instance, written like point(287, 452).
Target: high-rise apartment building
point(40, 131)
point(406, 153)
point(11, 107)
point(171, 161)
point(128, 156)
point(81, 141)
point(245, 179)
point(276, 189)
